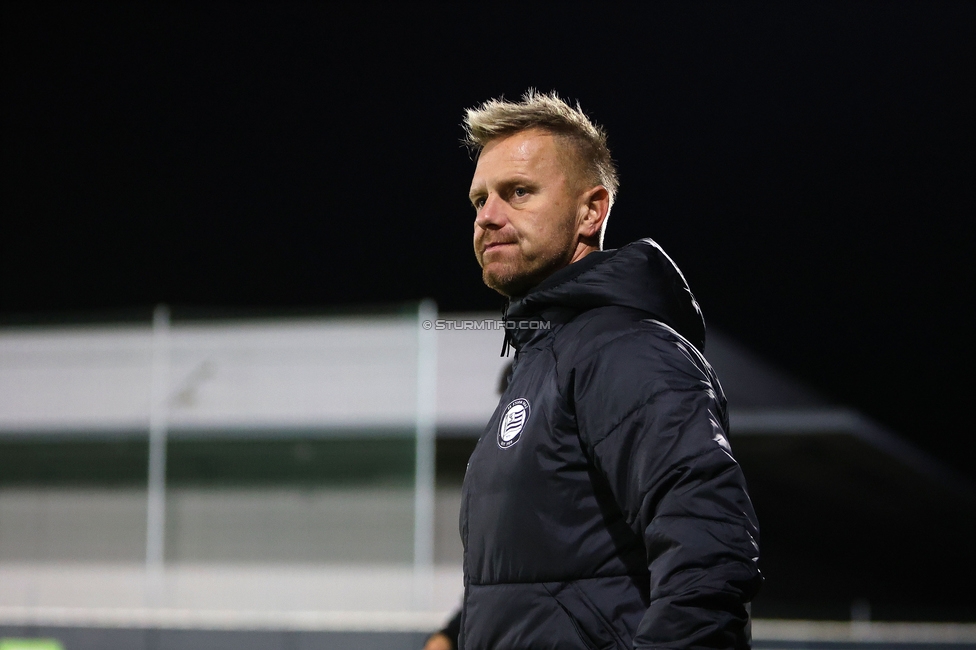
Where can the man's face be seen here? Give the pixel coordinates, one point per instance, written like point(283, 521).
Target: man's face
point(528, 201)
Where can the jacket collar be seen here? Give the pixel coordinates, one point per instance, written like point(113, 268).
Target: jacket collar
point(639, 276)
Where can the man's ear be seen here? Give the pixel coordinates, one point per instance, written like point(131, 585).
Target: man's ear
point(593, 211)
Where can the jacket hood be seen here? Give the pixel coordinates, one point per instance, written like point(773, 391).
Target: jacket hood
point(638, 276)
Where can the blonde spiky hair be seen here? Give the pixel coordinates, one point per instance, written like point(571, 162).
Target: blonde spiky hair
point(498, 118)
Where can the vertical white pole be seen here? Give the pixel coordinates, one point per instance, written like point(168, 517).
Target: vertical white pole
point(423, 535)
point(156, 501)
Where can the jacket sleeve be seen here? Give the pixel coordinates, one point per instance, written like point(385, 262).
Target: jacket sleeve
point(652, 417)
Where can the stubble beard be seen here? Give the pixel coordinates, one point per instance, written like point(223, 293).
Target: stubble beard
point(518, 277)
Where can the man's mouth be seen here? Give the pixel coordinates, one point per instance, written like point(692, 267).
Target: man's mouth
point(497, 244)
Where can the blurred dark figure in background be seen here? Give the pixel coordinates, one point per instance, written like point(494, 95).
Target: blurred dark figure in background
point(602, 508)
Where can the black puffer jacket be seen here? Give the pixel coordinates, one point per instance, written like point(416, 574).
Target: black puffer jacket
point(602, 508)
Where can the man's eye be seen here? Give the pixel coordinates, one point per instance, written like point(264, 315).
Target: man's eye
point(521, 191)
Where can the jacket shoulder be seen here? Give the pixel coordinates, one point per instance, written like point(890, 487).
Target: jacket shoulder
point(613, 364)
point(627, 339)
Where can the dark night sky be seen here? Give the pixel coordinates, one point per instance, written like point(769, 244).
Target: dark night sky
point(808, 165)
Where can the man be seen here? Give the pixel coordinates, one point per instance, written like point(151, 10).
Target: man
point(602, 508)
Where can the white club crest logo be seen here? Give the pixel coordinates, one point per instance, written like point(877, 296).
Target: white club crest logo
point(510, 429)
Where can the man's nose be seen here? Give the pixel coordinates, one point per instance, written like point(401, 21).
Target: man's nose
point(491, 215)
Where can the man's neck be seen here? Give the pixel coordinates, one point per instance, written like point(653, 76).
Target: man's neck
point(582, 250)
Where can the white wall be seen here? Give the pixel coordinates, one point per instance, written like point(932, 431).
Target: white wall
point(261, 375)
